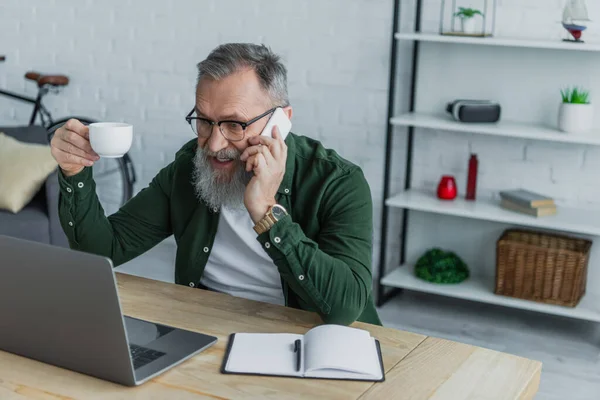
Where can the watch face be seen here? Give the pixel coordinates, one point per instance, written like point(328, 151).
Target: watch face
point(278, 212)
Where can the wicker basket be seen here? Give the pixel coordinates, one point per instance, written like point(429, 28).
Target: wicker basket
point(542, 267)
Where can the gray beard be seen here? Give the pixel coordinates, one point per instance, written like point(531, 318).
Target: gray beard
point(215, 187)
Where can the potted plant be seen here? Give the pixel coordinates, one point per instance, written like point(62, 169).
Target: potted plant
point(576, 114)
point(467, 19)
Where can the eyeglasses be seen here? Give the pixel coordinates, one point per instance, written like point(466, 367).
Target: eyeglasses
point(232, 130)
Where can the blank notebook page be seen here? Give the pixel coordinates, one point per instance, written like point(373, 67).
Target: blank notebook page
point(341, 348)
point(263, 354)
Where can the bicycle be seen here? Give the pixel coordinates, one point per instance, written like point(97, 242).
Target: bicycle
point(112, 192)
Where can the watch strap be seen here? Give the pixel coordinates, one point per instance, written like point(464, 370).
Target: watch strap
point(265, 223)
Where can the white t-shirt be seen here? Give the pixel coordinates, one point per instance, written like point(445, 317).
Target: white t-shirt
point(238, 265)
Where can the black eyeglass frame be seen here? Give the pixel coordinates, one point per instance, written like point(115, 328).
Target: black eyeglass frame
point(244, 125)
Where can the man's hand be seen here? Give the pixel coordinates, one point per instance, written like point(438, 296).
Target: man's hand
point(265, 156)
point(71, 147)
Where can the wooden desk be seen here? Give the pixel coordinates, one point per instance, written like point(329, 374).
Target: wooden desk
point(417, 367)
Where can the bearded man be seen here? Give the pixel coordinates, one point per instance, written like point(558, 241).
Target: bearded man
point(286, 222)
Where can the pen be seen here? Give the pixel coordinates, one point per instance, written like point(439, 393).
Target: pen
point(298, 351)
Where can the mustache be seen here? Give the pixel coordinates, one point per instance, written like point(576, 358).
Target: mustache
point(223, 153)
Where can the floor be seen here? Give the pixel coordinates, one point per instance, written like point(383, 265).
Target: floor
point(569, 349)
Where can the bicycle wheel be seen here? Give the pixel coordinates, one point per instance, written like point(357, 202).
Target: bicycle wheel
point(114, 177)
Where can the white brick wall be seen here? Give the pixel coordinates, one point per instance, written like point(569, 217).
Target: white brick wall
point(134, 60)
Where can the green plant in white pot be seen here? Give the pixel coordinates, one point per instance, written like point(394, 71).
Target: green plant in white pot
point(467, 19)
point(576, 113)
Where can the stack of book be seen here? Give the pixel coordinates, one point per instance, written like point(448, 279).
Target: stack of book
point(527, 202)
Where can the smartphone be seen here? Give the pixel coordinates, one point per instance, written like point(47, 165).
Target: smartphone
point(279, 119)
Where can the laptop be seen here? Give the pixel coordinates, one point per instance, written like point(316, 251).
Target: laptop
point(61, 307)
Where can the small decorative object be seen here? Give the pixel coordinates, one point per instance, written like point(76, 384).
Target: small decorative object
point(481, 111)
point(439, 266)
point(467, 19)
point(542, 267)
point(472, 20)
point(576, 113)
point(472, 177)
point(575, 14)
point(447, 188)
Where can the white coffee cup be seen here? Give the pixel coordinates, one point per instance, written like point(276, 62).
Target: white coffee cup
point(111, 139)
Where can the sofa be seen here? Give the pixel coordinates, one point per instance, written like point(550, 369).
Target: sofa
point(38, 220)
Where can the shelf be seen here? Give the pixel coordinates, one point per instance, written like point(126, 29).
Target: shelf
point(496, 41)
point(501, 128)
point(574, 220)
point(476, 289)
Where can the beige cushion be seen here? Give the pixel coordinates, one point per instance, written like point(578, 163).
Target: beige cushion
point(24, 168)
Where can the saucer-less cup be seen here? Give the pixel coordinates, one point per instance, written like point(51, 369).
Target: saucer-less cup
point(111, 139)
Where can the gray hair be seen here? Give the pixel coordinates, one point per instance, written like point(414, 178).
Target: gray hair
point(229, 58)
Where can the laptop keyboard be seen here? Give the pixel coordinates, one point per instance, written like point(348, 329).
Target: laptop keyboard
point(143, 355)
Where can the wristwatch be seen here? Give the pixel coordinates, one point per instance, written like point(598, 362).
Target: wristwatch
point(274, 214)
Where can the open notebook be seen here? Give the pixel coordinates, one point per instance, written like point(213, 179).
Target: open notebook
point(327, 351)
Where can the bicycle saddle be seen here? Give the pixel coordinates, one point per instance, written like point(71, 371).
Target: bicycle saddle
point(54, 80)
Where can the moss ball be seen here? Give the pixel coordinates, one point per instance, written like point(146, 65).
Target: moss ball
point(439, 266)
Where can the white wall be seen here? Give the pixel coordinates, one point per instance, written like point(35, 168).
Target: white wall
point(134, 60)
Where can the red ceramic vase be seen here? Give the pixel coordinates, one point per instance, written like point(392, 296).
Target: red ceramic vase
point(447, 188)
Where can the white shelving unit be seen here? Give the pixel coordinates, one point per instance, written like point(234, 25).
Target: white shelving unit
point(568, 219)
point(501, 128)
point(481, 289)
point(494, 41)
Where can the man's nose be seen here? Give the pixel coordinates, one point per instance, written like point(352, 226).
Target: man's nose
point(217, 141)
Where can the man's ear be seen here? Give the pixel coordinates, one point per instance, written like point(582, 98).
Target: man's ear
point(288, 111)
